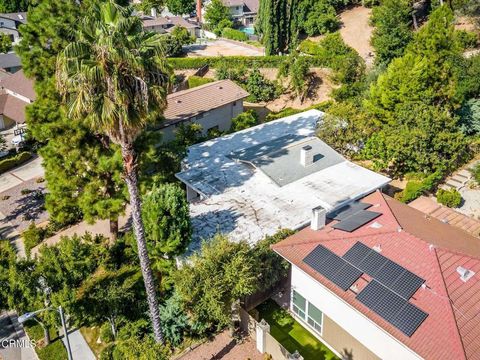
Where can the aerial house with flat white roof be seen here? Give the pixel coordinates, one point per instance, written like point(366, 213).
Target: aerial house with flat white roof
point(252, 183)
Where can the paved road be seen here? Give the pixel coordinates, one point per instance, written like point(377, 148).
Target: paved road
point(10, 329)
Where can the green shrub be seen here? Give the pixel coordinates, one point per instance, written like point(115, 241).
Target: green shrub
point(467, 39)
point(11, 162)
point(244, 121)
point(415, 188)
point(283, 113)
point(194, 81)
point(106, 334)
point(233, 34)
point(476, 173)
point(107, 353)
point(34, 235)
point(450, 198)
point(260, 89)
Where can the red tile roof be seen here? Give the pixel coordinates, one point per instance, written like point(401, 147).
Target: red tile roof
point(427, 247)
point(13, 108)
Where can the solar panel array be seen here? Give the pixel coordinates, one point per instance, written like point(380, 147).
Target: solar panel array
point(387, 294)
point(354, 221)
point(348, 210)
point(333, 267)
point(385, 271)
point(396, 310)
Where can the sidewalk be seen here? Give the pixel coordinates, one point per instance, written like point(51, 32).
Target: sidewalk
point(80, 348)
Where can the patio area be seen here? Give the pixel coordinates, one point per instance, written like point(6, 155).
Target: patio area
point(291, 334)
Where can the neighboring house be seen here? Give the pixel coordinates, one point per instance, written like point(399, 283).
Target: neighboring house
point(9, 24)
point(243, 11)
point(166, 24)
point(385, 281)
point(16, 92)
point(10, 62)
point(212, 105)
point(252, 183)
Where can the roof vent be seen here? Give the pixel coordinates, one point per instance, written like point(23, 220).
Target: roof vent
point(376, 225)
point(306, 155)
point(354, 288)
point(20, 16)
point(178, 101)
point(219, 87)
point(378, 248)
point(465, 274)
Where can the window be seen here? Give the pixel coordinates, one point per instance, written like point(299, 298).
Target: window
point(315, 318)
point(299, 304)
point(199, 116)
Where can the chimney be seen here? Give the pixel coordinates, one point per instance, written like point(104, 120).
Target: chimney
point(199, 11)
point(465, 274)
point(318, 218)
point(306, 155)
point(153, 12)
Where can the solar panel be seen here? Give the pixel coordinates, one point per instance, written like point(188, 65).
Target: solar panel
point(333, 267)
point(385, 271)
point(409, 319)
point(347, 210)
point(399, 312)
point(407, 284)
point(357, 253)
point(356, 220)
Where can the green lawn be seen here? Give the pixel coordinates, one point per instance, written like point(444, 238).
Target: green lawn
point(293, 336)
point(54, 351)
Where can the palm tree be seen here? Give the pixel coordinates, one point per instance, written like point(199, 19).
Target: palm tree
point(115, 78)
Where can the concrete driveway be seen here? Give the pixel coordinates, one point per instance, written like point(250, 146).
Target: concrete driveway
point(30, 170)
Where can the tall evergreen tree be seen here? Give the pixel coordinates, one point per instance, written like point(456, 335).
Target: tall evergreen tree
point(413, 103)
point(115, 80)
point(393, 21)
point(83, 171)
point(273, 25)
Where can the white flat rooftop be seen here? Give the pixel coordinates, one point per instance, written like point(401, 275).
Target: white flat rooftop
point(252, 182)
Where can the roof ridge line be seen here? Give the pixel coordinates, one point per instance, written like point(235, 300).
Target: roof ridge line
point(277, 245)
point(450, 302)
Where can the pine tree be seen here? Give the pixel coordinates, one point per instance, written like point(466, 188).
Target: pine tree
point(83, 171)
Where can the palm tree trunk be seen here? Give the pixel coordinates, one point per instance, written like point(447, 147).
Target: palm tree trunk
point(131, 178)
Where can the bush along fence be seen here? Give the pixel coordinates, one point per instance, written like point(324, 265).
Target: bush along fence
point(272, 61)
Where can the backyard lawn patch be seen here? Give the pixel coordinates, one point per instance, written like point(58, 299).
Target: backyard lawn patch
point(291, 334)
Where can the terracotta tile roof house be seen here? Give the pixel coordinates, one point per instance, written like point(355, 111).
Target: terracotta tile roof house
point(251, 183)
point(400, 286)
point(212, 105)
point(430, 207)
point(16, 92)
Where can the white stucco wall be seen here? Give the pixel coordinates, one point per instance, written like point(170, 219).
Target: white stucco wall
point(221, 117)
point(355, 323)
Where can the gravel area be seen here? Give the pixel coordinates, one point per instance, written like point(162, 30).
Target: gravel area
point(471, 202)
point(21, 209)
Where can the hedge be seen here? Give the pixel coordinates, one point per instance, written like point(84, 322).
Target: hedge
point(272, 61)
point(233, 34)
point(11, 162)
point(415, 188)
